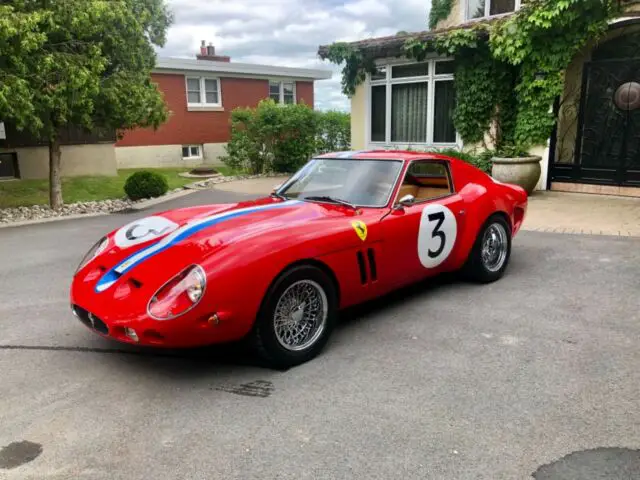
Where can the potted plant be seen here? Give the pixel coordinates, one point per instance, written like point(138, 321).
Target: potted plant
point(513, 164)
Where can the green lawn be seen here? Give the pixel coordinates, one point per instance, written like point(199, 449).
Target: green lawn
point(18, 193)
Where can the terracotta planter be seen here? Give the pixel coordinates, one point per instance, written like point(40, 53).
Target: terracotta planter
point(523, 171)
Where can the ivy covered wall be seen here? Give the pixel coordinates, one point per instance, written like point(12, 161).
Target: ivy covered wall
point(509, 72)
point(444, 13)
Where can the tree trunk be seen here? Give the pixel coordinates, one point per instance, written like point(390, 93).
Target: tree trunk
point(55, 185)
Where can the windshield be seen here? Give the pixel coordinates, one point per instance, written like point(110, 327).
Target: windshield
point(365, 183)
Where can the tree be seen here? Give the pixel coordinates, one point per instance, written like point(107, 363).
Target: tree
point(81, 63)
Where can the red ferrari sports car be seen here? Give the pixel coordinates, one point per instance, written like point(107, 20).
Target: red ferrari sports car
point(347, 227)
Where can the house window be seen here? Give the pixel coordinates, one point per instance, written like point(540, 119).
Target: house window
point(282, 92)
point(413, 104)
point(203, 91)
point(190, 152)
point(488, 8)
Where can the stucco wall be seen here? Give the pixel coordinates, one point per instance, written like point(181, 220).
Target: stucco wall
point(166, 156)
point(359, 118)
point(77, 160)
point(454, 18)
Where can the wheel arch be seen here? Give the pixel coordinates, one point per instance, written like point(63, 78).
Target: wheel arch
point(477, 228)
point(500, 213)
point(313, 262)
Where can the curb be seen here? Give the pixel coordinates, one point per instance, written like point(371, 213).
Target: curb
point(37, 221)
point(130, 209)
point(579, 231)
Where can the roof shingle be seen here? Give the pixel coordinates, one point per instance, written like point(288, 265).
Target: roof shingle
point(393, 46)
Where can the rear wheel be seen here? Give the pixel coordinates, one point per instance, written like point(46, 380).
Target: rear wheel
point(490, 255)
point(296, 318)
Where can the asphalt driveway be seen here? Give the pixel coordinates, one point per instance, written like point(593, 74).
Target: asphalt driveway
point(538, 373)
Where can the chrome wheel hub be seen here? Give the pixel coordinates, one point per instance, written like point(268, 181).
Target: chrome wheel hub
point(301, 315)
point(494, 247)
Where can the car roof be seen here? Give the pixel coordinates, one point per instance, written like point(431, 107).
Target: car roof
point(390, 155)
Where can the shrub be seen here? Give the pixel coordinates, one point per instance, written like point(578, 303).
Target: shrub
point(282, 138)
point(145, 184)
point(334, 132)
point(481, 160)
point(271, 137)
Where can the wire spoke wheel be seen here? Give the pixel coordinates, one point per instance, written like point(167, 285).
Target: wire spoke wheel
point(300, 316)
point(495, 245)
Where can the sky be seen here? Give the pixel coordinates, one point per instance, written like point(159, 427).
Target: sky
point(288, 32)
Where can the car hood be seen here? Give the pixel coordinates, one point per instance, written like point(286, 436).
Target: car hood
point(153, 249)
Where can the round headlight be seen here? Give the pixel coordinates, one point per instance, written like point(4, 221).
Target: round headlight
point(93, 252)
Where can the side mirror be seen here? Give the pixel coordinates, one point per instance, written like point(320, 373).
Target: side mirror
point(407, 201)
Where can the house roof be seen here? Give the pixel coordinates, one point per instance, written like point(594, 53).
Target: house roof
point(165, 64)
point(393, 46)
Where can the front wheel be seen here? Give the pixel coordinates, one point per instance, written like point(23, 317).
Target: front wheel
point(490, 254)
point(296, 318)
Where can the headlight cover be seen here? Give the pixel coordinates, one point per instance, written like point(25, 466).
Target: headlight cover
point(178, 295)
point(93, 252)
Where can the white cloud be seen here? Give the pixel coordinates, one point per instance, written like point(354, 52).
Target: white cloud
point(288, 32)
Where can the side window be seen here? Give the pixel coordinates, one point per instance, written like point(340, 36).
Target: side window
point(426, 180)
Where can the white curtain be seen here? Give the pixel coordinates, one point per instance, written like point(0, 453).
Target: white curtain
point(409, 112)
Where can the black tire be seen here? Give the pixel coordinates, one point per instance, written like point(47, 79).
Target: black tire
point(475, 269)
point(264, 338)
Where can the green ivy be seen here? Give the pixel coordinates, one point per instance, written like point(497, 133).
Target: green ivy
point(356, 66)
point(541, 40)
point(440, 9)
point(509, 72)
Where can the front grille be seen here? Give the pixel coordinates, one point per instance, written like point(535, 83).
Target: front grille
point(90, 320)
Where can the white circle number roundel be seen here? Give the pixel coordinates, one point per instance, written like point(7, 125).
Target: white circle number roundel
point(143, 230)
point(437, 235)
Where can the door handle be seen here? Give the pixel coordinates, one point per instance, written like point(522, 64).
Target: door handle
point(461, 212)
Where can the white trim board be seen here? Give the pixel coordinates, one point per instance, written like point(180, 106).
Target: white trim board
point(182, 65)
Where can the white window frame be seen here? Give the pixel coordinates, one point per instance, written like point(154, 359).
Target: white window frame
point(487, 9)
point(192, 157)
point(431, 80)
point(203, 91)
point(281, 84)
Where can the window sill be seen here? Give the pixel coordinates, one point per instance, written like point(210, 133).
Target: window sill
point(490, 17)
point(205, 108)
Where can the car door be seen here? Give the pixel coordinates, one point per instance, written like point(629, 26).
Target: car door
point(420, 237)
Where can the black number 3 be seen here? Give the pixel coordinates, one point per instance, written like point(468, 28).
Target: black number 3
point(439, 217)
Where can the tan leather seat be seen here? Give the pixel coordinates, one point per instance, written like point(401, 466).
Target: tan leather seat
point(424, 193)
point(408, 190)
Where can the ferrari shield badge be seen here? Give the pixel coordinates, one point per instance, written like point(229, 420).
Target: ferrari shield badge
point(360, 228)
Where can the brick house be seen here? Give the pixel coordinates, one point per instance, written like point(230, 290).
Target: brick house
point(595, 146)
point(201, 93)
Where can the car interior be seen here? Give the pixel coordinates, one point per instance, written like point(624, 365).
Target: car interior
point(426, 180)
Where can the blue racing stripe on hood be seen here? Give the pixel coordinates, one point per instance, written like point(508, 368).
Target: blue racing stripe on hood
point(182, 233)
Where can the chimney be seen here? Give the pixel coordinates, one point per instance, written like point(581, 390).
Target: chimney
point(208, 52)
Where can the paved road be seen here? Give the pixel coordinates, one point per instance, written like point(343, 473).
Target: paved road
point(443, 381)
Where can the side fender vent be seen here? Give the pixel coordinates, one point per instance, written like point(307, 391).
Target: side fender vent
point(371, 254)
point(363, 268)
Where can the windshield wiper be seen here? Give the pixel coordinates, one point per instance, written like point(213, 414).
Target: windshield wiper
point(326, 198)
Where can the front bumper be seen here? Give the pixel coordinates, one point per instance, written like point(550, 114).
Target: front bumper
point(183, 332)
